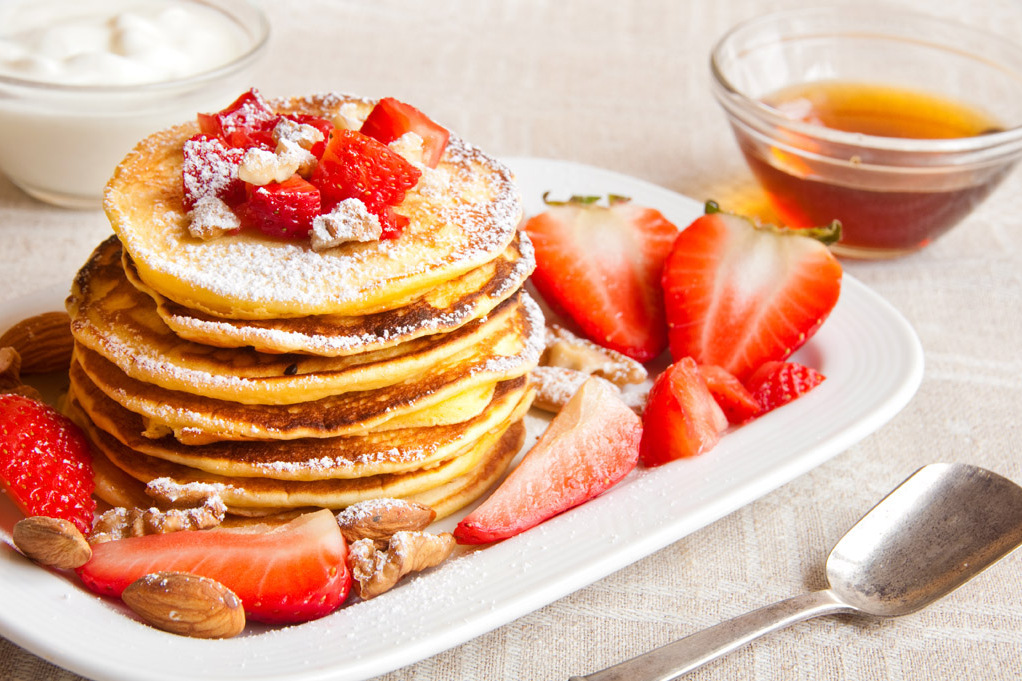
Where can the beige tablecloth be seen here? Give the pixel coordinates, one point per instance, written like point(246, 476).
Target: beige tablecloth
point(624, 85)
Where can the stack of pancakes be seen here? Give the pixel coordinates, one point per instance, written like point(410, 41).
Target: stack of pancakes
point(291, 378)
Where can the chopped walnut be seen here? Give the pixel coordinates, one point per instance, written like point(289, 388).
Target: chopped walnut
point(212, 218)
point(380, 519)
point(409, 147)
point(376, 571)
point(348, 118)
point(565, 349)
point(206, 509)
point(350, 220)
point(301, 134)
point(10, 375)
point(556, 385)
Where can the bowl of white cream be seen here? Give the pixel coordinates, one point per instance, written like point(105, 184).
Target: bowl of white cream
point(82, 82)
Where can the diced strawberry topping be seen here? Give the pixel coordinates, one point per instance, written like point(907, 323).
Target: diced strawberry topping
point(247, 122)
point(777, 383)
point(356, 166)
point(681, 418)
point(45, 462)
point(211, 169)
point(588, 447)
point(601, 266)
point(734, 399)
point(390, 119)
point(282, 209)
point(285, 574)
point(738, 294)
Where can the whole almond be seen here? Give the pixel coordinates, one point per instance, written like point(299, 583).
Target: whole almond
point(43, 341)
point(186, 604)
point(380, 519)
point(53, 542)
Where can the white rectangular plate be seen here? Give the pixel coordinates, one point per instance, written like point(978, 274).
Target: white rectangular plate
point(873, 363)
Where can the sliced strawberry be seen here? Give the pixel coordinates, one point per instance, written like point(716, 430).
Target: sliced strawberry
point(739, 295)
point(601, 265)
point(211, 169)
point(777, 383)
point(390, 119)
point(356, 166)
point(247, 122)
point(681, 418)
point(284, 574)
point(45, 462)
point(734, 399)
point(588, 447)
point(282, 209)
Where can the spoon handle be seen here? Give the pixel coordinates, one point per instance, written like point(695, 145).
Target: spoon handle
point(674, 659)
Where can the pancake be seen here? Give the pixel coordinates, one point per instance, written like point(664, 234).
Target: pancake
point(114, 319)
point(309, 459)
point(461, 215)
point(447, 306)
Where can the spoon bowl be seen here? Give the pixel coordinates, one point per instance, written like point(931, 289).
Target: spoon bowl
point(937, 530)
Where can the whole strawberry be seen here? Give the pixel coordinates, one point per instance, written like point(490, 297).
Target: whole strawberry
point(45, 463)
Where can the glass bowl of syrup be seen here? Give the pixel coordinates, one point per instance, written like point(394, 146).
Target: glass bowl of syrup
point(896, 124)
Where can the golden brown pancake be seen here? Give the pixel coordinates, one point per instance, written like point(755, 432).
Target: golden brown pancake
point(461, 215)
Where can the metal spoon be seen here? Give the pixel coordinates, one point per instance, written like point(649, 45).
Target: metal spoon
point(939, 529)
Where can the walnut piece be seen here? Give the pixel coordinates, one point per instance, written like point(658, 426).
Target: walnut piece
point(207, 510)
point(350, 220)
point(556, 385)
point(10, 375)
point(565, 349)
point(376, 571)
point(211, 218)
point(380, 519)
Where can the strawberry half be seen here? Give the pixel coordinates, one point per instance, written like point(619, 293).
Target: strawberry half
point(681, 418)
point(247, 122)
point(738, 295)
point(282, 209)
point(285, 574)
point(777, 383)
point(211, 169)
point(356, 166)
point(588, 447)
point(391, 118)
point(737, 403)
point(601, 267)
point(45, 462)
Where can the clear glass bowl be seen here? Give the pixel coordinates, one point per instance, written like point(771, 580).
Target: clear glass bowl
point(61, 143)
point(893, 195)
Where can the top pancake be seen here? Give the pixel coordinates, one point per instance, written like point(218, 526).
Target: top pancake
point(461, 215)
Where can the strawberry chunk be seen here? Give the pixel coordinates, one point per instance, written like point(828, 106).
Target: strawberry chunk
point(356, 166)
point(45, 462)
point(734, 399)
point(247, 122)
point(588, 447)
point(601, 267)
point(211, 169)
point(285, 574)
point(390, 119)
point(738, 295)
point(282, 209)
point(777, 383)
point(681, 418)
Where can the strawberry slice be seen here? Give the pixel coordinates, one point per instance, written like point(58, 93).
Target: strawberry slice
point(45, 462)
point(356, 166)
point(211, 169)
point(601, 266)
point(285, 574)
point(739, 295)
point(391, 118)
point(777, 383)
point(681, 418)
point(282, 209)
point(588, 447)
point(247, 122)
point(734, 399)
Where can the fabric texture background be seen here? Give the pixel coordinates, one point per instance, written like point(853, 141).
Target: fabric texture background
point(625, 86)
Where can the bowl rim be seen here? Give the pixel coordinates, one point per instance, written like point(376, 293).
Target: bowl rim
point(748, 108)
point(230, 8)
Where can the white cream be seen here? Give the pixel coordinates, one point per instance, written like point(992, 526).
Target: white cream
point(113, 42)
point(59, 139)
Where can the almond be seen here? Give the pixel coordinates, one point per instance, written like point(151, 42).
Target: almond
point(53, 542)
point(43, 341)
point(380, 519)
point(186, 604)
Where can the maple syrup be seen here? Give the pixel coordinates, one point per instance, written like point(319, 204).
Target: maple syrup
point(883, 213)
